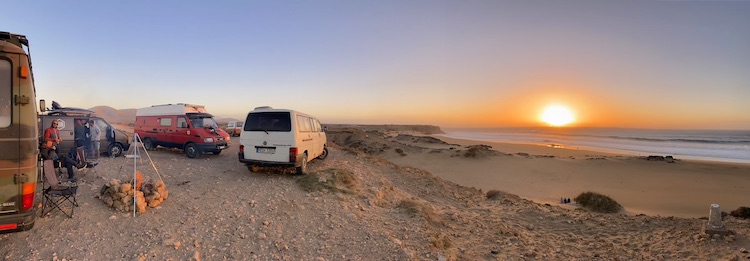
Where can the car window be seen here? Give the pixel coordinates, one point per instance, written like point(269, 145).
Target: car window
point(303, 123)
point(268, 121)
point(181, 122)
point(166, 122)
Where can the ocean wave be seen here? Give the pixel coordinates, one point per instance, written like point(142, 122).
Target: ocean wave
point(690, 140)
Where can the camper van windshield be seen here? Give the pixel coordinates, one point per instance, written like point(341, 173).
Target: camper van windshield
point(268, 121)
point(203, 122)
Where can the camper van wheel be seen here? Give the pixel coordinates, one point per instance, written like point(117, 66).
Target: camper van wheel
point(302, 169)
point(192, 151)
point(216, 152)
point(148, 144)
point(253, 168)
point(324, 155)
point(114, 150)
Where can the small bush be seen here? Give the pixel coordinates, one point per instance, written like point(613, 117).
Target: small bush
point(415, 209)
point(334, 180)
point(494, 194)
point(441, 241)
point(741, 212)
point(598, 202)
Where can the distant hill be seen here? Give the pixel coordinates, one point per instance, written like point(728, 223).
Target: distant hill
point(115, 116)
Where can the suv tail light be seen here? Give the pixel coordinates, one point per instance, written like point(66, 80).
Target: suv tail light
point(242, 148)
point(292, 154)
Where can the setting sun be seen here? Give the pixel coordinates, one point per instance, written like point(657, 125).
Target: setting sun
point(557, 115)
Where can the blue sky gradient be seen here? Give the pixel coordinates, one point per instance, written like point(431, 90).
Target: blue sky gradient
point(643, 64)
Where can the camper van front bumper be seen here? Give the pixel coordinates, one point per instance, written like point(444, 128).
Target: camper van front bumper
point(212, 146)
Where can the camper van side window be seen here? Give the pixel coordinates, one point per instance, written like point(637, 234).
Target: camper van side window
point(181, 122)
point(316, 123)
point(166, 122)
point(5, 91)
point(304, 123)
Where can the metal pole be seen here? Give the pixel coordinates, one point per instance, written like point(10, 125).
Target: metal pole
point(135, 161)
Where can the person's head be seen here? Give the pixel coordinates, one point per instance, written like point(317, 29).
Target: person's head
point(54, 124)
point(91, 122)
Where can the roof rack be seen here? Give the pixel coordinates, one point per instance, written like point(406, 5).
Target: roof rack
point(68, 111)
point(16, 39)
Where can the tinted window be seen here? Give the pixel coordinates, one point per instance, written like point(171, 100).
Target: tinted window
point(5, 90)
point(268, 121)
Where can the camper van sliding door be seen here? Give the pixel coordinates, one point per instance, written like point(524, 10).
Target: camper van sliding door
point(307, 142)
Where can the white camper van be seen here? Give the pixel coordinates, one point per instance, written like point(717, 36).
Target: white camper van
point(281, 137)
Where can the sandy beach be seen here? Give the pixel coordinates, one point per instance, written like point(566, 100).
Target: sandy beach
point(684, 188)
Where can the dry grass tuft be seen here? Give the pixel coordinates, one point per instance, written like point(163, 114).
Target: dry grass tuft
point(441, 241)
point(417, 209)
point(598, 202)
point(333, 180)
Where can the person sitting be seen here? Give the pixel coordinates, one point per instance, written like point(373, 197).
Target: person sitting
point(66, 161)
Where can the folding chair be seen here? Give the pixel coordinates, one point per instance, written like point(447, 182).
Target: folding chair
point(58, 192)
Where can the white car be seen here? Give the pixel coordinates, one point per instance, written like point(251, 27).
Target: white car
point(281, 137)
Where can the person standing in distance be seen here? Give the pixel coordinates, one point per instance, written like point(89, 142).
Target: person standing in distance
point(95, 133)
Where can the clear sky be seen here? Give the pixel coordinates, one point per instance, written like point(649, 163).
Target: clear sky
point(640, 64)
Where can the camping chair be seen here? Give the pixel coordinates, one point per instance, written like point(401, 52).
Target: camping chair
point(58, 192)
point(79, 155)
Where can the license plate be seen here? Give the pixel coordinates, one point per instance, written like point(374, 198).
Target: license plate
point(265, 150)
point(222, 147)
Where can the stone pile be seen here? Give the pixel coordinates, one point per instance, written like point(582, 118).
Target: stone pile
point(119, 195)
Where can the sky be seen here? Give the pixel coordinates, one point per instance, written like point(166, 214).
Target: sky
point(494, 63)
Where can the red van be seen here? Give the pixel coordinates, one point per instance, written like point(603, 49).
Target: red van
point(184, 126)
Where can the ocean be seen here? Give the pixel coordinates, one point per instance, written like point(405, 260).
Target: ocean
point(711, 145)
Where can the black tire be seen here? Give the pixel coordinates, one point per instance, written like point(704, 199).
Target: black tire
point(192, 151)
point(216, 152)
point(148, 144)
point(114, 150)
point(253, 168)
point(302, 169)
point(324, 155)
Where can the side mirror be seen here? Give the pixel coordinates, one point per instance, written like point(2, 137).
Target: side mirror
point(42, 105)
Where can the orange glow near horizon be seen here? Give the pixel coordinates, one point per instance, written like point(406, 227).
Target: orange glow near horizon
point(557, 115)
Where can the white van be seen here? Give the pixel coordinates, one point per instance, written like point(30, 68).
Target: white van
point(281, 137)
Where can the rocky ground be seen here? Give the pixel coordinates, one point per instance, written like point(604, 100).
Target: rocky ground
point(354, 206)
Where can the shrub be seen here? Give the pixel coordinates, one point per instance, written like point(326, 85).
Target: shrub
point(334, 180)
point(741, 212)
point(415, 209)
point(598, 202)
point(494, 194)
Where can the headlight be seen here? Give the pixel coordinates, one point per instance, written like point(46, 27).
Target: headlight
point(208, 140)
